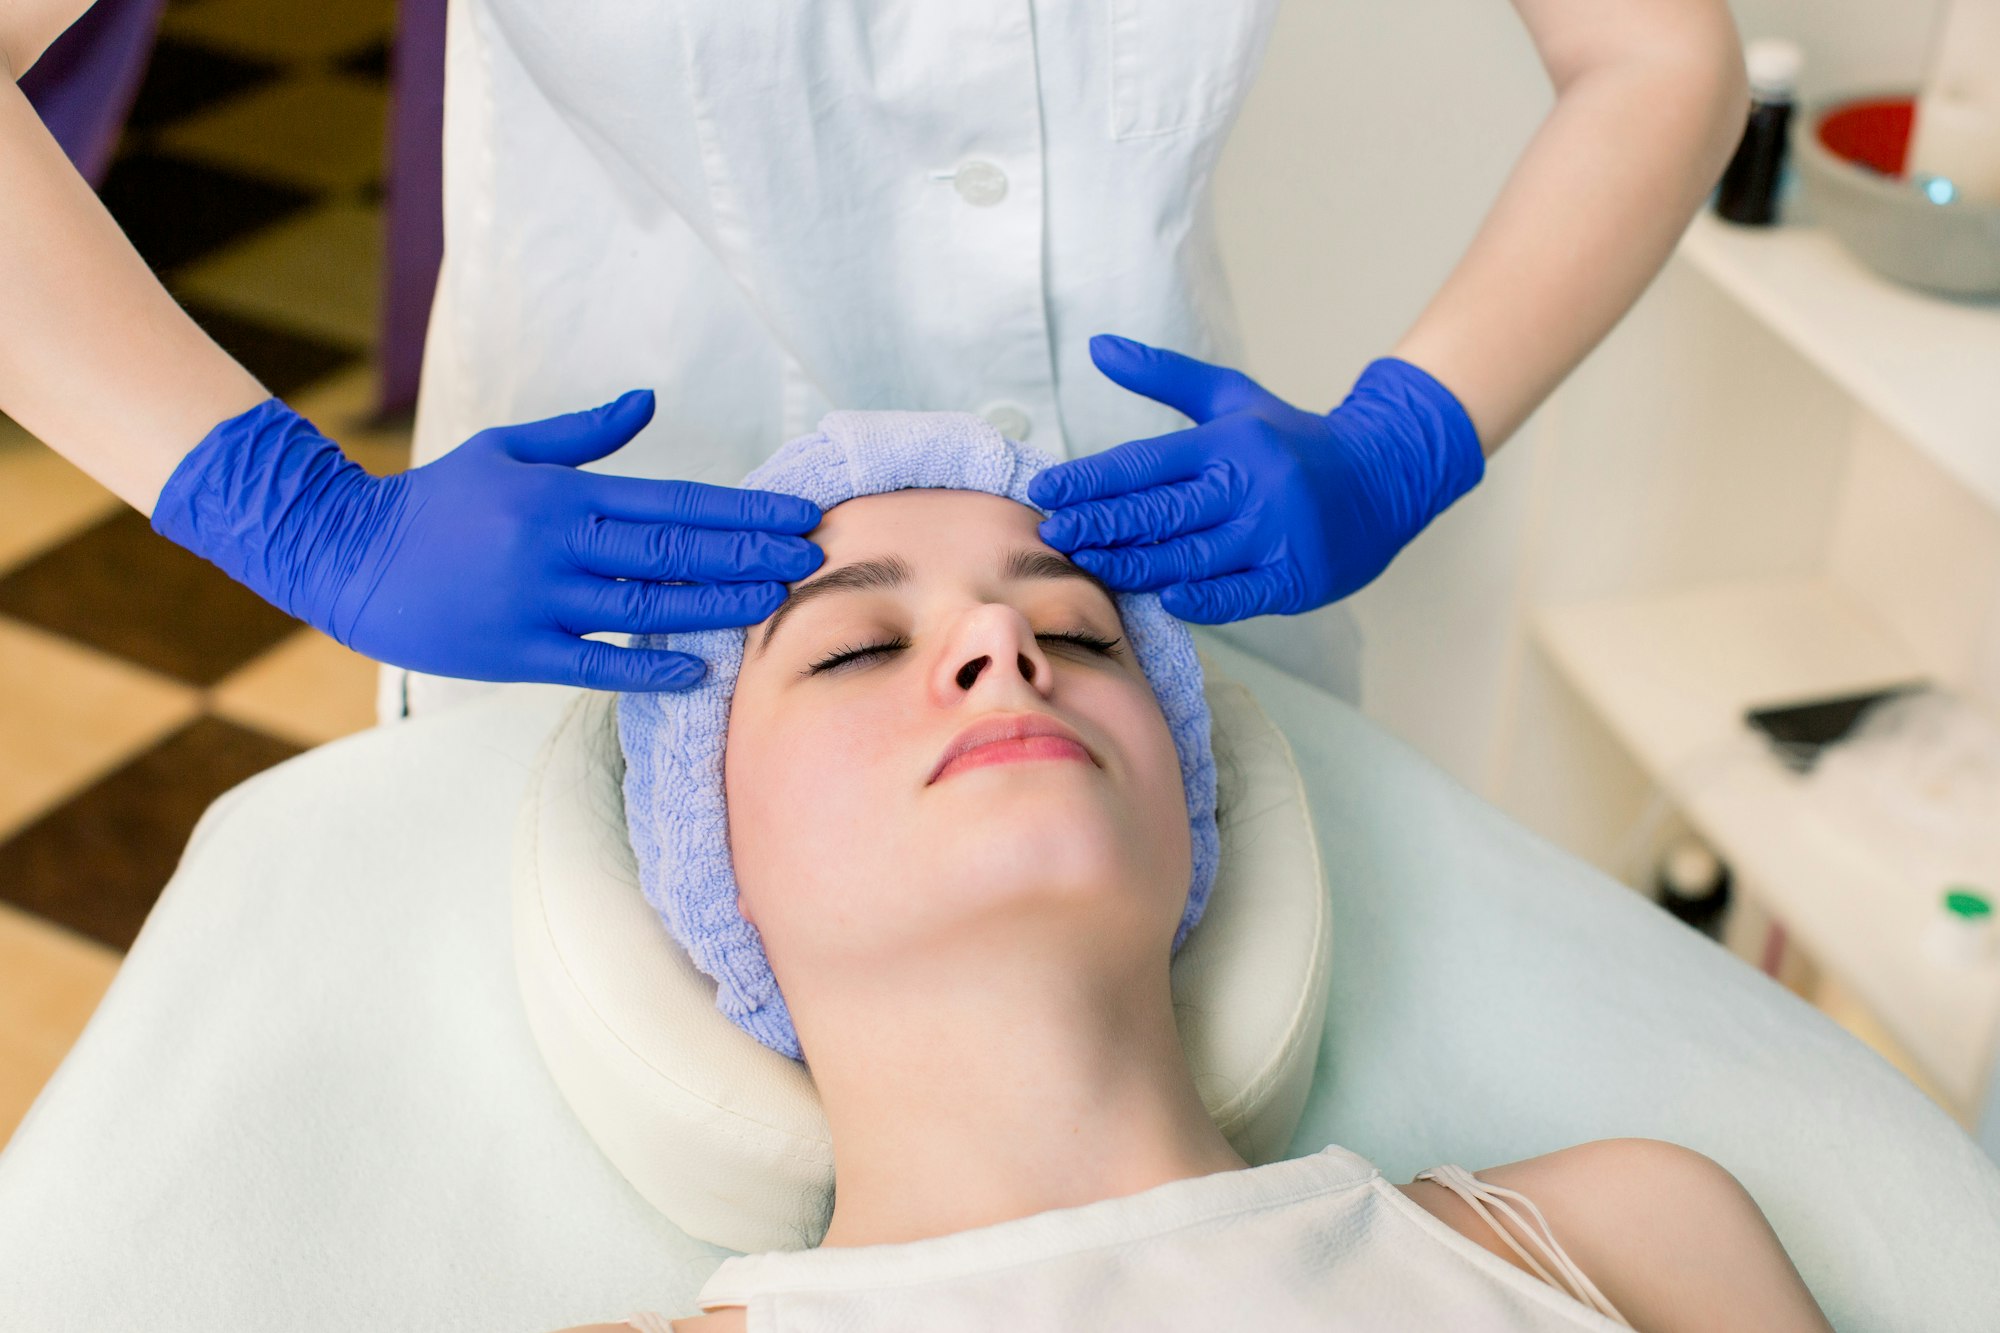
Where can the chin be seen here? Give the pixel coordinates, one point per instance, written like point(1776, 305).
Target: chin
point(1042, 841)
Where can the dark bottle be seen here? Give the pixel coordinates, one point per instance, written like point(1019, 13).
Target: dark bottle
point(1749, 190)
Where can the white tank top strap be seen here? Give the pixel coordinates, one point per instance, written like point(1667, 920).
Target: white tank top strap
point(1478, 1194)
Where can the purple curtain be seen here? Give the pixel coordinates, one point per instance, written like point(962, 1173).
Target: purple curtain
point(83, 85)
point(414, 245)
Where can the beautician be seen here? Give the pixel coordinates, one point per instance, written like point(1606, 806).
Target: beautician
point(765, 211)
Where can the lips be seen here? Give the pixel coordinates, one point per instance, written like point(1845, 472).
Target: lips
point(1014, 727)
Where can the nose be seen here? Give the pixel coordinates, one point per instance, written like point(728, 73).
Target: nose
point(991, 649)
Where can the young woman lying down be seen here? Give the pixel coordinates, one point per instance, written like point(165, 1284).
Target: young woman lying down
point(973, 949)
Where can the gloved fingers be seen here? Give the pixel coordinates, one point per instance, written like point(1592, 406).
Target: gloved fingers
point(1151, 515)
point(1132, 466)
point(636, 606)
point(613, 548)
point(577, 437)
point(697, 503)
point(1218, 601)
point(1201, 555)
point(561, 660)
point(1196, 389)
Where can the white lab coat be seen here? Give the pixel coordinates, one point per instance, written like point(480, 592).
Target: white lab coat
point(767, 209)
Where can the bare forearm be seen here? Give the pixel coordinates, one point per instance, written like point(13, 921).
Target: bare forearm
point(96, 359)
point(1589, 216)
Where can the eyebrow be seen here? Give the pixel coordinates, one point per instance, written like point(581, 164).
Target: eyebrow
point(893, 572)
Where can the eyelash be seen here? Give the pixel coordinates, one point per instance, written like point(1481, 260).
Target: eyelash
point(842, 656)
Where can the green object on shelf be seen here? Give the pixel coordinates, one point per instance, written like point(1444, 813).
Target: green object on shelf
point(1967, 902)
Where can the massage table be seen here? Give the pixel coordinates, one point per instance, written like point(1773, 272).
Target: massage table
point(310, 1099)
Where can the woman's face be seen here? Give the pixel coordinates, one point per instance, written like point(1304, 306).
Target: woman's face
point(937, 611)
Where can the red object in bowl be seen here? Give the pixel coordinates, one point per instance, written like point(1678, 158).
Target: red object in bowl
point(1874, 133)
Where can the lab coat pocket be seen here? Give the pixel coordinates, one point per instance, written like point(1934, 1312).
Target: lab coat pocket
point(1181, 66)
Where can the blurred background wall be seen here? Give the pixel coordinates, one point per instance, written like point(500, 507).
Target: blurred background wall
point(1366, 157)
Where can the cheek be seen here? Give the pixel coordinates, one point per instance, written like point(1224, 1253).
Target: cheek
point(1157, 802)
point(808, 793)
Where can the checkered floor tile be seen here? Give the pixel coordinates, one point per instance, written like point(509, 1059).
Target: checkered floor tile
point(138, 682)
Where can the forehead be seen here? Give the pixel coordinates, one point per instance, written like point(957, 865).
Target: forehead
point(923, 521)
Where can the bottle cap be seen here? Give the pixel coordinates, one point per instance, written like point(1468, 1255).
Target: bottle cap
point(1690, 870)
point(1968, 902)
point(1962, 934)
point(1773, 64)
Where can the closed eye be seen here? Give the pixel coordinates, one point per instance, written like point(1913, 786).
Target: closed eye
point(842, 656)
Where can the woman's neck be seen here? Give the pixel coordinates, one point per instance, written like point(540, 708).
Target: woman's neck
point(978, 1107)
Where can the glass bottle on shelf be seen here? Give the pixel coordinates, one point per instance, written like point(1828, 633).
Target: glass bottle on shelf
point(1751, 184)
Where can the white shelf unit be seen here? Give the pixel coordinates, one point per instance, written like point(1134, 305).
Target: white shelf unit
point(1779, 481)
point(1672, 676)
point(1927, 367)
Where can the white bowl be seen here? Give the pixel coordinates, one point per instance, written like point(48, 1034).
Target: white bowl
point(1889, 223)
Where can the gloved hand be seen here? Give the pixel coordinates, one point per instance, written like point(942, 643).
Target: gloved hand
point(491, 562)
point(1261, 508)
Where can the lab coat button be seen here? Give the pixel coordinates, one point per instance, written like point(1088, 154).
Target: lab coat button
point(1010, 420)
point(980, 184)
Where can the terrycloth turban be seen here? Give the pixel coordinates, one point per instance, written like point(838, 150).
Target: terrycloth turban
point(673, 741)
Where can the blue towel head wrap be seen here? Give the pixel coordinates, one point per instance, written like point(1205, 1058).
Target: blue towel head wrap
point(673, 742)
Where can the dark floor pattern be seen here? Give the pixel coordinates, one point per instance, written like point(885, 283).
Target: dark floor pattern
point(122, 588)
point(183, 79)
point(97, 861)
point(210, 207)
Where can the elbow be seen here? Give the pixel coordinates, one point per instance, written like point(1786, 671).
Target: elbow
point(1701, 84)
point(1692, 69)
point(1708, 61)
point(1728, 105)
point(17, 51)
point(21, 47)
point(1689, 76)
point(18, 55)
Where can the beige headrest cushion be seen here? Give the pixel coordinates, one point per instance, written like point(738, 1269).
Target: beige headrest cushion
point(725, 1136)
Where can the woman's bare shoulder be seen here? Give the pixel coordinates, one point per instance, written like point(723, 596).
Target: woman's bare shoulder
point(719, 1321)
point(1670, 1237)
point(716, 1321)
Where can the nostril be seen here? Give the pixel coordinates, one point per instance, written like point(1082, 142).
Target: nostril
point(970, 672)
point(1027, 668)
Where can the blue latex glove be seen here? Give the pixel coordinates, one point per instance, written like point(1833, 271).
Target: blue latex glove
point(1260, 508)
point(491, 562)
